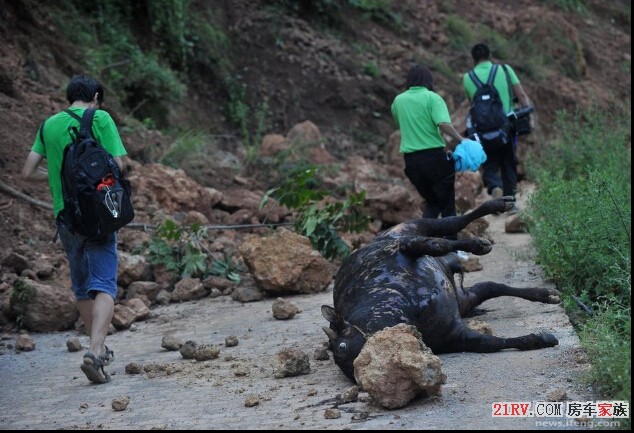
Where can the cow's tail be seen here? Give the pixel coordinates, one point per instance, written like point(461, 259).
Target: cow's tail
point(453, 263)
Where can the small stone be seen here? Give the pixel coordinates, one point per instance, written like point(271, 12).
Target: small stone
point(171, 343)
point(241, 372)
point(120, 403)
point(321, 354)
point(284, 310)
point(251, 401)
point(24, 343)
point(332, 413)
point(133, 368)
point(205, 352)
point(558, 394)
point(360, 416)
point(74, 345)
point(351, 394)
point(231, 341)
point(188, 349)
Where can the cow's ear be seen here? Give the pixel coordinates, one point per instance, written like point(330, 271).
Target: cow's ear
point(329, 314)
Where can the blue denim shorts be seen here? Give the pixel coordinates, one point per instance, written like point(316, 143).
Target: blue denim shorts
point(93, 265)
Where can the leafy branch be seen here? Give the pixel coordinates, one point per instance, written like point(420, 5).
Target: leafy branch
point(317, 216)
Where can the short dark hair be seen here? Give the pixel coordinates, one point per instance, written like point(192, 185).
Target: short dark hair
point(420, 75)
point(480, 52)
point(83, 88)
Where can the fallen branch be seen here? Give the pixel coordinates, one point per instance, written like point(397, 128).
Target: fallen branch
point(15, 193)
point(147, 227)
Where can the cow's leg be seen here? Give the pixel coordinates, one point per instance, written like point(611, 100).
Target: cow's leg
point(472, 341)
point(417, 246)
point(478, 293)
point(452, 225)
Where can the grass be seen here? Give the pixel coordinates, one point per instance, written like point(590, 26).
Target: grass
point(580, 222)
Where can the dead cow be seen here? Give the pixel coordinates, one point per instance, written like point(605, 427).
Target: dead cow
point(406, 275)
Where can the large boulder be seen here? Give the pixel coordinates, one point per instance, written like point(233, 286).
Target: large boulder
point(43, 308)
point(395, 366)
point(170, 189)
point(387, 198)
point(132, 268)
point(286, 263)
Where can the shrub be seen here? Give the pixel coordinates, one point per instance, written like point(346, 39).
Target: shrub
point(581, 229)
point(181, 249)
point(459, 32)
point(580, 221)
point(316, 217)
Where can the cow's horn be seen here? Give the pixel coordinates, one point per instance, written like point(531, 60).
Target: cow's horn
point(332, 335)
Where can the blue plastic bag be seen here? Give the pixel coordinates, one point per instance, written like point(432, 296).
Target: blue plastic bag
point(469, 156)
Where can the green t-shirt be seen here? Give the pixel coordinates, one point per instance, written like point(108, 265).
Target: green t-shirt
point(482, 71)
point(57, 137)
point(418, 112)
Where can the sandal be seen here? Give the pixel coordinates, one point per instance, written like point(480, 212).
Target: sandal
point(108, 356)
point(93, 369)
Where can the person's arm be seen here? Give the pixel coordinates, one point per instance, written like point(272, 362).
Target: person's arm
point(448, 129)
point(32, 170)
point(521, 95)
point(119, 161)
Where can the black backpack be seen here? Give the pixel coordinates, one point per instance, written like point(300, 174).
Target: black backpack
point(97, 197)
point(488, 119)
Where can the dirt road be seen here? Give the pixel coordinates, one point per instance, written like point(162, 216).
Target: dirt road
point(45, 389)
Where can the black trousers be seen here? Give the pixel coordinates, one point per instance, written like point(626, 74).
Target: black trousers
point(500, 169)
point(434, 178)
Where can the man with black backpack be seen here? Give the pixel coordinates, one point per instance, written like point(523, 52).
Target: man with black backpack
point(490, 88)
point(91, 252)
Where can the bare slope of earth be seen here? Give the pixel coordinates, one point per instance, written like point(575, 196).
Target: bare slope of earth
point(45, 389)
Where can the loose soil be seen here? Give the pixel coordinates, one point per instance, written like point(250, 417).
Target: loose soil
point(45, 389)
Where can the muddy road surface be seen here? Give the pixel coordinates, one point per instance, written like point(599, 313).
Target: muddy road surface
point(45, 388)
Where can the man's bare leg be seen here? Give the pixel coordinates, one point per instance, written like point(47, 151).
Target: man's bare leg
point(85, 307)
point(101, 316)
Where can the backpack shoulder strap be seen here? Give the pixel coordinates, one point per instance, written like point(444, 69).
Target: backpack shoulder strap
point(72, 114)
point(475, 79)
point(494, 70)
point(85, 122)
point(42, 133)
point(508, 84)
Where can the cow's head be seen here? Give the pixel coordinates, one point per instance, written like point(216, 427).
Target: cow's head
point(346, 340)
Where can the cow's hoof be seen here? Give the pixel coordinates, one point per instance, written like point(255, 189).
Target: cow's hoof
point(481, 247)
point(554, 297)
point(549, 340)
point(509, 203)
point(502, 204)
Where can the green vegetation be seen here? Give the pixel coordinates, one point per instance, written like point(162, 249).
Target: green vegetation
point(439, 66)
point(226, 267)
point(580, 220)
point(181, 249)
point(251, 123)
point(533, 52)
point(459, 32)
point(146, 51)
point(190, 144)
point(571, 5)
point(332, 12)
point(21, 296)
point(316, 216)
point(372, 70)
